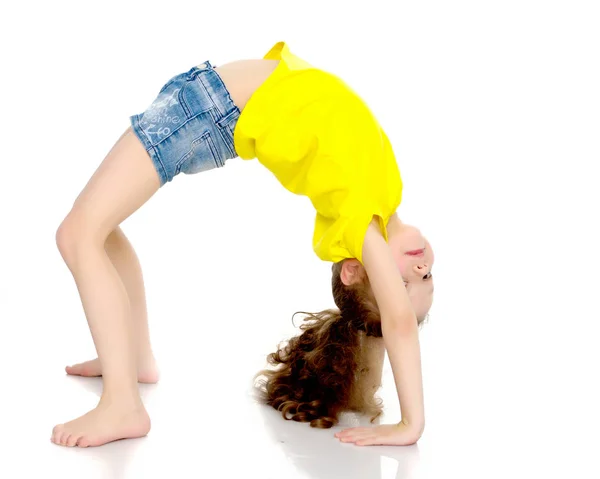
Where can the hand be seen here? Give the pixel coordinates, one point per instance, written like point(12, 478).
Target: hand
point(387, 435)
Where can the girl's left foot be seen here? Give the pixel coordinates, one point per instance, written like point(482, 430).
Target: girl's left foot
point(106, 423)
point(147, 371)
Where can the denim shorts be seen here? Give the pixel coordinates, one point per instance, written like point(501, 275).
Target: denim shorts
point(189, 127)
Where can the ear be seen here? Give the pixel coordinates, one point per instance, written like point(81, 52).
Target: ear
point(351, 272)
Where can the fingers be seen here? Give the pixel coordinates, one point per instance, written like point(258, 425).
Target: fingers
point(388, 435)
point(352, 430)
point(361, 436)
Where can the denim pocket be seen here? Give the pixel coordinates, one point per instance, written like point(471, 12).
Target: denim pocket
point(202, 156)
point(226, 127)
point(164, 116)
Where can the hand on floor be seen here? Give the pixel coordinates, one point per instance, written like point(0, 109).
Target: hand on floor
point(386, 435)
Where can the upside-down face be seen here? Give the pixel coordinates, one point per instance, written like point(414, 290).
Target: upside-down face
point(414, 257)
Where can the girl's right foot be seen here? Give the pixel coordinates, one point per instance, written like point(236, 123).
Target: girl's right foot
point(110, 421)
point(147, 372)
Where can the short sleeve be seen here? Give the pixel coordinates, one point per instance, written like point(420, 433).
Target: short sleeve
point(341, 238)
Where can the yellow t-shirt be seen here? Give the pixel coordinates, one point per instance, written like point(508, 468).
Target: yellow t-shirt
point(320, 140)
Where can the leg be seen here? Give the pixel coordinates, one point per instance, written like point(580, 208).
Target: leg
point(125, 180)
point(125, 261)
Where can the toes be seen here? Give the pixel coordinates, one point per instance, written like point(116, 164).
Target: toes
point(63, 438)
point(83, 442)
point(72, 440)
point(57, 433)
point(76, 369)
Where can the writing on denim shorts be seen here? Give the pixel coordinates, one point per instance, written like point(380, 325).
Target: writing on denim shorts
point(156, 116)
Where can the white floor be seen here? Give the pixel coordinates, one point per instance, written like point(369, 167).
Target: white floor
point(479, 425)
point(494, 409)
point(492, 109)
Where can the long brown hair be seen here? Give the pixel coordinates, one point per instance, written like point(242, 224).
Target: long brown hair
point(317, 373)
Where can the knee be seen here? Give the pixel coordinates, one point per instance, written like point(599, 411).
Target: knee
point(74, 236)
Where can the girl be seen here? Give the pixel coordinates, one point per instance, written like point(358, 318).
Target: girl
point(320, 140)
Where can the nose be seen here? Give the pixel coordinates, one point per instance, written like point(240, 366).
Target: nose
point(421, 268)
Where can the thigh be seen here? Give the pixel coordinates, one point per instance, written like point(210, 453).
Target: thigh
point(123, 182)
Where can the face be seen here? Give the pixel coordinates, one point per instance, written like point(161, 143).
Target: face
point(414, 257)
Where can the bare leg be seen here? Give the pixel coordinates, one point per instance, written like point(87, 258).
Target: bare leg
point(125, 180)
point(125, 261)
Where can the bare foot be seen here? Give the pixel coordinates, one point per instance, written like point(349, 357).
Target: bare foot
point(104, 424)
point(147, 373)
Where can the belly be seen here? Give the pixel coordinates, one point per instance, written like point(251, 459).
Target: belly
point(243, 77)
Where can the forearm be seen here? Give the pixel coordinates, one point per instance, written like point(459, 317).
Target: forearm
point(402, 345)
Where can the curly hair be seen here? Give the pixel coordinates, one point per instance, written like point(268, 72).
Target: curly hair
point(318, 373)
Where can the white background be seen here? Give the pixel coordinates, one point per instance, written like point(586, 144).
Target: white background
point(493, 111)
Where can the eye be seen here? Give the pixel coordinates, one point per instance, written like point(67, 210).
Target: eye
point(427, 276)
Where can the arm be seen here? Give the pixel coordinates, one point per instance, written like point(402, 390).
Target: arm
point(400, 336)
point(399, 325)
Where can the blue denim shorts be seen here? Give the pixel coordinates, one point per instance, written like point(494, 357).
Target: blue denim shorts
point(189, 127)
